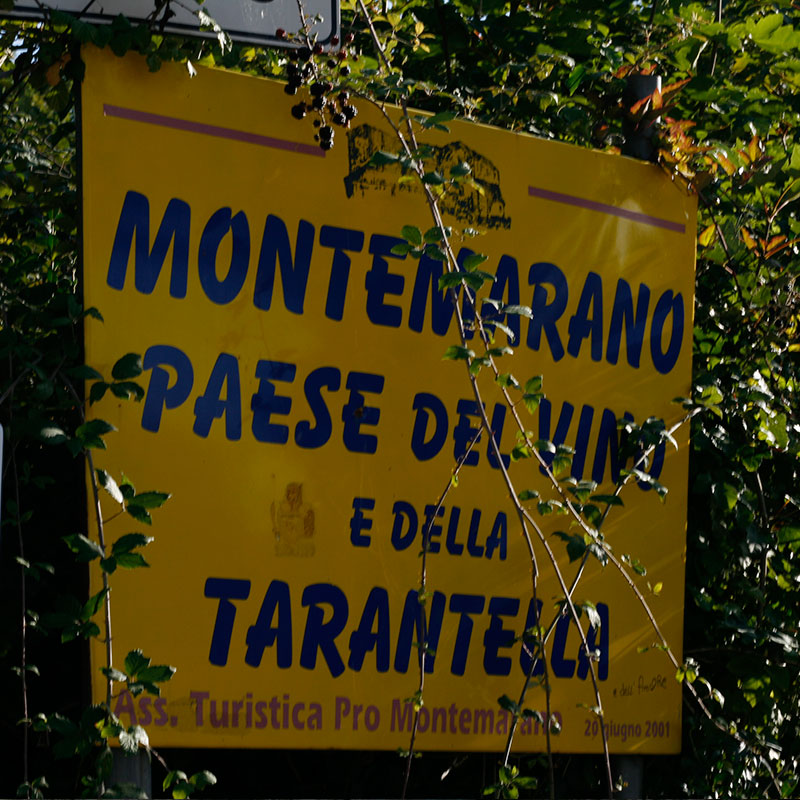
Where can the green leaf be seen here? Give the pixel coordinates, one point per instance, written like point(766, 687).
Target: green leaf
point(505, 329)
point(730, 493)
point(598, 552)
point(156, 674)
point(532, 401)
point(519, 311)
point(128, 542)
point(131, 560)
point(92, 605)
point(381, 158)
point(790, 535)
point(592, 614)
point(139, 513)
point(710, 396)
point(173, 777)
point(130, 740)
point(794, 160)
point(457, 352)
point(534, 384)
point(520, 452)
point(90, 433)
point(85, 549)
point(608, 499)
point(473, 261)
point(111, 729)
point(109, 484)
point(127, 390)
point(53, 435)
point(576, 546)
point(433, 235)
point(97, 392)
point(127, 488)
point(135, 662)
point(151, 499)
point(437, 119)
point(127, 367)
point(575, 78)
point(450, 280)
point(203, 779)
point(507, 704)
point(412, 234)
point(477, 364)
point(774, 429)
point(507, 381)
point(638, 567)
point(475, 281)
point(83, 372)
point(529, 713)
point(433, 178)
point(435, 252)
point(766, 26)
point(114, 674)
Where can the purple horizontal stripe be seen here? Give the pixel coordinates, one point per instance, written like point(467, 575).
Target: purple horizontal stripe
point(210, 130)
point(604, 208)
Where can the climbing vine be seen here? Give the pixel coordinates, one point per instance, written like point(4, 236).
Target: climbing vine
point(723, 122)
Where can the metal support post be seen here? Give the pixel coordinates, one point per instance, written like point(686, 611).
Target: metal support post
point(631, 770)
point(134, 771)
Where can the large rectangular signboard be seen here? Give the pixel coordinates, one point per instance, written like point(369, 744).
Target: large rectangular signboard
point(255, 21)
point(299, 412)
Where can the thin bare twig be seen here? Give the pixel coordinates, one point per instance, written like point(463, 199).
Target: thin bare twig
point(423, 643)
point(101, 538)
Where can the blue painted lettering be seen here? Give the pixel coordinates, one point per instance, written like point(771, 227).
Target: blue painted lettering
point(134, 226)
point(217, 228)
point(364, 639)
point(265, 402)
point(210, 405)
point(275, 247)
point(160, 394)
point(343, 241)
point(320, 635)
point(379, 282)
point(224, 590)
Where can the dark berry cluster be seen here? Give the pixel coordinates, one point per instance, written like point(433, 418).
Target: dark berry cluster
point(296, 77)
point(306, 72)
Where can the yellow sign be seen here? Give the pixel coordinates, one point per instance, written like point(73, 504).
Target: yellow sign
point(299, 411)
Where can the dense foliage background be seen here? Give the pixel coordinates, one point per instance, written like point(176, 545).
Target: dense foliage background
point(727, 122)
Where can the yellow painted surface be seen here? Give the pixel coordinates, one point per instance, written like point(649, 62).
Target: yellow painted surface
point(305, 427)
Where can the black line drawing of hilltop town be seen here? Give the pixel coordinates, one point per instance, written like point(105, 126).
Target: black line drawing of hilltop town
point(464, 202)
